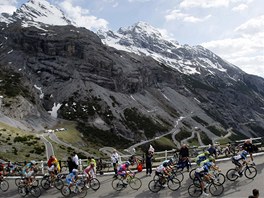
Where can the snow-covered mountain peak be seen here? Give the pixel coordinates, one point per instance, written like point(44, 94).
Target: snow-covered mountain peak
point(41, 11)
point(142, 38)
point(141, 28)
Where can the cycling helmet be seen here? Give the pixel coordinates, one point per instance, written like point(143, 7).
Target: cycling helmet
point(75, 171)
point(165, 164)
point(207, 153)
point(244, 154)
point(127, 163)
point(33, 162)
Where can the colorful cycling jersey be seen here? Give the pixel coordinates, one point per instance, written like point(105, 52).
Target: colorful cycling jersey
point(160, 169)
point(202, 169)
point(200, 158)
point(122, 167)
point(239, 157)
point(204, 162)
point(88, 169)
point(70, 177)
point(27, 166)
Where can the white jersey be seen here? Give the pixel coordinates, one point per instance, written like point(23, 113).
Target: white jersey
point(160, 168)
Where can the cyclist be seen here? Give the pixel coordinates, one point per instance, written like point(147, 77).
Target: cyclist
point(170, 164)
point(209, 159)
point(203, 172)
point(236, 160)
point(53, 166)
point(2, 170)
point(72, 177)
point(92, 160)
point(162, 171)
point(122, 170)
point(201, 157)
point(89, 172)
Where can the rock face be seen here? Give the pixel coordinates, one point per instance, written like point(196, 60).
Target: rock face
point(117, 93)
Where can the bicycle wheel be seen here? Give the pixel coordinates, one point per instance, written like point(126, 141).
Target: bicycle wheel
point(250, 172)
point(194, 191)
point(179, 175)
point(155, 177)
point(154, 186)
point(45, 183)
point(35, 191)
point(174, 183)
point(35, 182)
point(82, 193)
point(192, 173)
point(196, 182)
point(219, 178)
point(94, 184)
point(4, 185)
point(216, 189)
point(118, 184)
point(22, 190)
point(231, 174)
point(58, 183)
point(65, 191)
point(19, 181)
point(135, 183)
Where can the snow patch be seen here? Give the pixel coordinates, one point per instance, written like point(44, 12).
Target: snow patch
point(54, 111)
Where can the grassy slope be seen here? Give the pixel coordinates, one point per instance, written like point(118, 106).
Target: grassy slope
point(25, 150)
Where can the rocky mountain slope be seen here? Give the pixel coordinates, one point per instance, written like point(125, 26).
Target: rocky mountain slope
point(135, 90)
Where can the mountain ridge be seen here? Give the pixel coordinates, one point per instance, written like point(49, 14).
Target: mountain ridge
point(123, 95)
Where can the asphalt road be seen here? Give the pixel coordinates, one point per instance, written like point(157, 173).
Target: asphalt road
point(241, 188)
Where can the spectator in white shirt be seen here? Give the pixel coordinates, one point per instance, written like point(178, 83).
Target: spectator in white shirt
point(75, 159)
point(114, 159)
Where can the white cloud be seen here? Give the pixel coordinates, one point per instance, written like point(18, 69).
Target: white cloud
point(141, 1)
point(178, 15)
point(252, 26)
point(204, 3)
point(247, 50)
point(8, 6)
point(240, 8)
point(81, 16)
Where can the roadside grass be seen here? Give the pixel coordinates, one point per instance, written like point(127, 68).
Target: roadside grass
point(193, 141)
point(74, 137)
point(61, 152)
point(18, 145)
point(71, 135)
point(163, 143)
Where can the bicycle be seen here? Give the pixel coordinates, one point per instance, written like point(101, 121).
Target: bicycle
point(215, 188)
point(177, 173)
point(4, 185)
point(156, 185)
point(21, 181)
point(134, 182)
point(92, 182)
point(47, 181)
point(25, 189)
point(249, 171)
point(77, 188)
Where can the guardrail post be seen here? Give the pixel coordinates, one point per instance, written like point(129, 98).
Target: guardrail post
point(166, 154)
point(42, 167)
point(80, 164)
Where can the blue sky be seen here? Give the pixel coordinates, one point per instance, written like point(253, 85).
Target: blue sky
point(233, 29)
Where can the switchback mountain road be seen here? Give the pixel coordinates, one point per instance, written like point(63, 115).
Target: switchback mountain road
point(241, 188)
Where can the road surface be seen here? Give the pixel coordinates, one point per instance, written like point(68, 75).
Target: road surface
point(241, 188)
point(48, 145)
